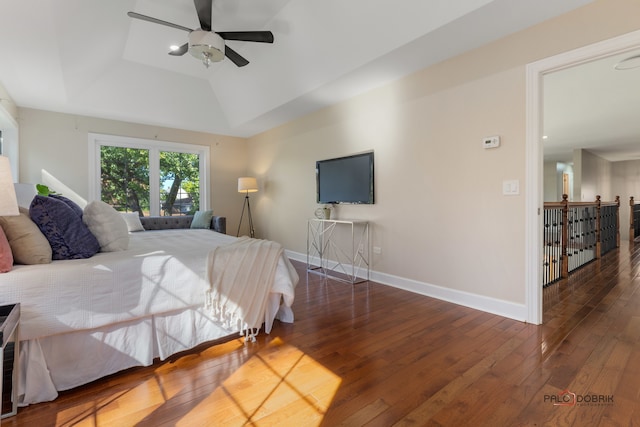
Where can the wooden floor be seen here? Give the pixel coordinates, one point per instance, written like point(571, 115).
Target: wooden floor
point(377, 356)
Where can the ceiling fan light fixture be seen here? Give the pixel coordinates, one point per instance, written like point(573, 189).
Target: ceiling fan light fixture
point(206, 46)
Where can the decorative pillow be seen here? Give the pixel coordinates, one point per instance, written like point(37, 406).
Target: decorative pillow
point(28, 244)
point(107, 225)
point(68, 236)
point(6, 257)
point(132, 219)
point(73, 205)
point(202, 219)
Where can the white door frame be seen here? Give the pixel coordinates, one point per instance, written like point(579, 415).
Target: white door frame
point(534, 159)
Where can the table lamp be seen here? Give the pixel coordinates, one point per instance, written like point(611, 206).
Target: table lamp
point(8, 200)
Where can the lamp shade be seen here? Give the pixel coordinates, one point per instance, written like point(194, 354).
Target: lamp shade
point(206, 46)
point(247, 184)
point(8, 200)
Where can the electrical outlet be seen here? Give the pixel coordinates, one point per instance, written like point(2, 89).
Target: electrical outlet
point(377, 250)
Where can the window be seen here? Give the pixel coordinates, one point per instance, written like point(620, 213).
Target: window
point(179, 183)
point(146, 176)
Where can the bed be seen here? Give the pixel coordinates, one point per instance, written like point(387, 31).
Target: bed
point(83, 319)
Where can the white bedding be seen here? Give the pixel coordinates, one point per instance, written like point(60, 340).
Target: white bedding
point(162, 271)
point(156, 289)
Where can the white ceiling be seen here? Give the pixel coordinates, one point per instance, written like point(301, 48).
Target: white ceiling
point(88, 57)
point(595, 107)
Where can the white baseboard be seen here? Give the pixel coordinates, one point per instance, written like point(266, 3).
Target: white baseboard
point(479, 302)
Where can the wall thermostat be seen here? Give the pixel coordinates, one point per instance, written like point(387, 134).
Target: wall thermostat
point(491, 142)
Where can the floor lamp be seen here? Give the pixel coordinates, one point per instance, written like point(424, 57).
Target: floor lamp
point(247, 185)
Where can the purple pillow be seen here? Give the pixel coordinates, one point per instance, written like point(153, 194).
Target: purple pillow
point(73, 205)
point(68, 236)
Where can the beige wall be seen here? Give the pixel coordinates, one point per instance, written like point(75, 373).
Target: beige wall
point(626, 183)
point(58, 144)
point(595, 177)
point(440, 216)
point(553, 180)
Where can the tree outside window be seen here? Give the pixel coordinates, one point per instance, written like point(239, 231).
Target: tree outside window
point(126, 173)
point(179, 183)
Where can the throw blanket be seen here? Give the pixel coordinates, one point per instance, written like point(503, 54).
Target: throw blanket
point(241, 275)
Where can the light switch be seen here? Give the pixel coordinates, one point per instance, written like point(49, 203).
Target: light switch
point(511, 187)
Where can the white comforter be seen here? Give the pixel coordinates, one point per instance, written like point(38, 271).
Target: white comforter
point(162, 271)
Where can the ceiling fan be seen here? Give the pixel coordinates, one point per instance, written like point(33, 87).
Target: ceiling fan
point(208, 45)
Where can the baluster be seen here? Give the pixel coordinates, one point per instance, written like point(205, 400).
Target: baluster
point(632, 229)
point(598, 252)
point(565, 236)
point(617, 221)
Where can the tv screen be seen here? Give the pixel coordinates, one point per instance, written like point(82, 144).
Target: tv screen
point(346, 179)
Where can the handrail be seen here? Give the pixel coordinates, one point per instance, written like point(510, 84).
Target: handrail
point(576, 233)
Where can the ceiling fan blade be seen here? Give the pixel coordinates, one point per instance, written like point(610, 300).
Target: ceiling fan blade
point(181, 50)
point(235, 57)
point(248, 36)
point(204, 9)
point(157, 21)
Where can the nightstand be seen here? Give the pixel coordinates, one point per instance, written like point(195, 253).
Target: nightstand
point(9, 344)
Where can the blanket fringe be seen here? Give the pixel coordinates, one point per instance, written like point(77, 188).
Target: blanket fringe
point(250, 334)
point(228, 320)
point(241, 276)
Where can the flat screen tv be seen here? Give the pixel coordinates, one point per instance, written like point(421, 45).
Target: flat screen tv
point(346, 179)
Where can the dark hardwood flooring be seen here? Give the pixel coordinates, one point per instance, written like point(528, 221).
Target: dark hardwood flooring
point(372, 355)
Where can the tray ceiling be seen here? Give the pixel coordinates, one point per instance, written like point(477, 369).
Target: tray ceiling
point(88, 57)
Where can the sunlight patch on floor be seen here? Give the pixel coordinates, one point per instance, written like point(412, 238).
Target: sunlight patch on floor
point(109, 411)
point(279, 385)
point(276, 386)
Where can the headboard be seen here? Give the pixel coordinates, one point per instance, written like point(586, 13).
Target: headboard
point(218, 223)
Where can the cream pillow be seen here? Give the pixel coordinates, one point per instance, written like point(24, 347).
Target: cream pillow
point(28, 244)
point(107, 225)
point(133, 221)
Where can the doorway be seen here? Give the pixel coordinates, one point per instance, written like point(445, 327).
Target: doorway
point(535, 73)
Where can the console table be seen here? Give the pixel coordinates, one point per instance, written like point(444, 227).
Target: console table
point(9, 325)
point(338, 249)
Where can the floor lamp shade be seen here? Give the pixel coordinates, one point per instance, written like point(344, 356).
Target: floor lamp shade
point(247, 184)
point(8, 200)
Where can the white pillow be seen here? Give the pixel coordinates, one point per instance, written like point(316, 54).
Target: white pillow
point(107, 225)
point(133, 221)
